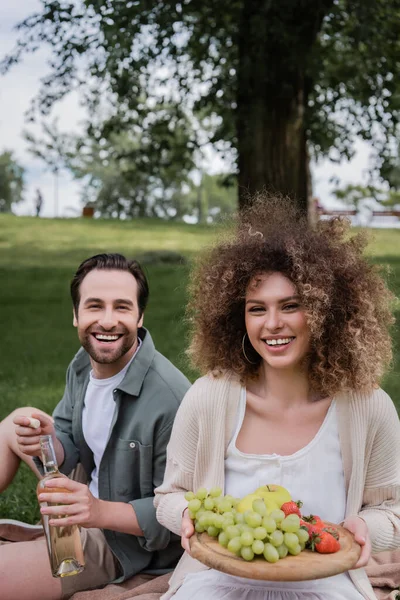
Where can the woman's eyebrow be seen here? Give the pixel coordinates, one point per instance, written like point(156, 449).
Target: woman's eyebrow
point(280, 301)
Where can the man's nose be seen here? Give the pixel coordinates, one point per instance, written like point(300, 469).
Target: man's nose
point(108, 319)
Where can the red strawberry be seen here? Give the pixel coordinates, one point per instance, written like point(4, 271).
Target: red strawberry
point(292, 508)
point(325, 543)
point(309, 527)
point(315, 521)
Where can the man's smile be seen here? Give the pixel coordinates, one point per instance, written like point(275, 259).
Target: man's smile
point(107, 337)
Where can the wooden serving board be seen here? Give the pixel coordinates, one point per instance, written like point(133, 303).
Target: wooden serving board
point(306, 565)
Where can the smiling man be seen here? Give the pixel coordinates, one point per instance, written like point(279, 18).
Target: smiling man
point(114, 419)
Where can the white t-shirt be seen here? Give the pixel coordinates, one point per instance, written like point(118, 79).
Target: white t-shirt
point(97, 416)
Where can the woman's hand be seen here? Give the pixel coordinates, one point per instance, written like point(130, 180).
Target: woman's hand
point(359, 529)
point(187, 530)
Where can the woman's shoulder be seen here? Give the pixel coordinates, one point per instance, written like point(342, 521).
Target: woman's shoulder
point(214, 389)
point(374, 404)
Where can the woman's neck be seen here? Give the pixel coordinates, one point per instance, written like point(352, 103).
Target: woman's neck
point(285, 388)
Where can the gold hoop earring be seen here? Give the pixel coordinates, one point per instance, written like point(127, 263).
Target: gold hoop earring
point(244, 351)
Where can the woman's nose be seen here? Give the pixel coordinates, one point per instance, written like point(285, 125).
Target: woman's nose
point(273, 320)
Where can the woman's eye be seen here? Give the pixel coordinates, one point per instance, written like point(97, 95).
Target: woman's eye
point(256, 309)
point(291, 306)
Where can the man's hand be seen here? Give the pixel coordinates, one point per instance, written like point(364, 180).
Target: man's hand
point(77, 505)
point(359, 529)
point(187, 530)
point(28, 436)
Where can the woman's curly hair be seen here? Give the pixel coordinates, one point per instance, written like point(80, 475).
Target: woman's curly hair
point(347, 303)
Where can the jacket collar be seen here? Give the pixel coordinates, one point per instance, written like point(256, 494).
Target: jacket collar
point(133, 380)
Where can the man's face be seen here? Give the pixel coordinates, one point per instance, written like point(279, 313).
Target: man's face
point(108, 319)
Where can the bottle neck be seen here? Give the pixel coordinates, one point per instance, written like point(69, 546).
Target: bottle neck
point(49, 459)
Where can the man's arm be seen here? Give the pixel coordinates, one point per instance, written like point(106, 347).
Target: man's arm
point(137, 517)
point(78, 506)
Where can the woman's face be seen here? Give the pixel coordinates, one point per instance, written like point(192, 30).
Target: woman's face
point(276, 321)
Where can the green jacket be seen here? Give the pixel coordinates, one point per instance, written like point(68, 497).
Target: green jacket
point(133, 463)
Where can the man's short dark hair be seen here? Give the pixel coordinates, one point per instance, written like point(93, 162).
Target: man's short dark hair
point(110, 262)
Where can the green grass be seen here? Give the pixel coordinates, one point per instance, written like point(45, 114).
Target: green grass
point(37, 260)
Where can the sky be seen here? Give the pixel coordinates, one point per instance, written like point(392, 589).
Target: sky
point(62, 198)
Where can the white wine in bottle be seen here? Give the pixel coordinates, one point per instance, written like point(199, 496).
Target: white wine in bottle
point(63, 543)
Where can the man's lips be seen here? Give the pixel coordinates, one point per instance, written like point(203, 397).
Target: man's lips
point(107, 337)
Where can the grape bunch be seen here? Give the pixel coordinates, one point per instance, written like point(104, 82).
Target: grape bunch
point(256, 532)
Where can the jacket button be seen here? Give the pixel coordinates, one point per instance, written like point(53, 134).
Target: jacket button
point(132, 445)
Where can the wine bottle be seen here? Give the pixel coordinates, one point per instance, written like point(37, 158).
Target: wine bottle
point(63, 543)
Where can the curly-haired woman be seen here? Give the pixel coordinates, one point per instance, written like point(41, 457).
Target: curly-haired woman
point(291, 326)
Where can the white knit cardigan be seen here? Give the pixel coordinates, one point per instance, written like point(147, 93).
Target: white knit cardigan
point(369, 432)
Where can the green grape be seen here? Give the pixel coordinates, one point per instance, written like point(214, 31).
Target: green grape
point(269, 524)
point(282, 550)
point(295, 550)
point(227, 520)
point(247, 553)
point(252, 518)
point(204, 521)
point(294, 517)
point(232, 531)
point(235, 501)
point(276, 538)
point(290, 524)
point(257, 547)
point(192, 515)
point(278, 515)
point(217, 502)
point(225, 505)
point(212, 531)
point(303, 535)
point(234, 545)
point(208, 503)
point(291, 540)
point(201, 493)
point(223, 539)
point(215, 492)
point(271, 554)
point(302, 545)
point(259, 507)
point(194, 505)
point(189, 496)
point(199, 528)
point(218, 521)
point(247, 538)
point(260, 533)
point(239, 518)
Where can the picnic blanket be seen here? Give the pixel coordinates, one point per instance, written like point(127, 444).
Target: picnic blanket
point(383, 571)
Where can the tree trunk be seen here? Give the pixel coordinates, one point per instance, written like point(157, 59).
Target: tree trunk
point(275, 44)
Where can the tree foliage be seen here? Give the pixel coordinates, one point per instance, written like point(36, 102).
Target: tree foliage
point(269, 82)
point(11, 181)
